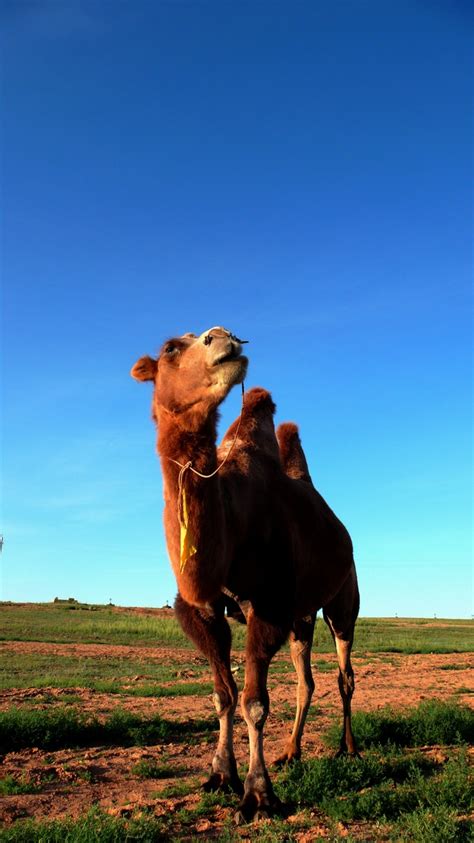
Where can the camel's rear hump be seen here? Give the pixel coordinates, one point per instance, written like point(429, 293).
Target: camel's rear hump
point(291, 452)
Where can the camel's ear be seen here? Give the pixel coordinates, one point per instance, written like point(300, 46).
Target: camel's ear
point(144, 369)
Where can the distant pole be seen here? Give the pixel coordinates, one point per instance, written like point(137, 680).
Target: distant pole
point(1, 543)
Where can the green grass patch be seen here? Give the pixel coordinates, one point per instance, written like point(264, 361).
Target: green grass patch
point(432, 722)
point(205, 807)
point(316, 781)
point(321, 666)
point(62, 728)
point(95, 827)
point(422, 798)
point(380, 787)
point(432, 825)
point(148, 769)
point(280, 668)
point(177, 789)
point(11, 786)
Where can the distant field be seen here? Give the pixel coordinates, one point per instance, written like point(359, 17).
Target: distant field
point(84, 623)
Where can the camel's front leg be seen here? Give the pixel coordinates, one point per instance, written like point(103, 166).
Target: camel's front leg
point(263, 641)
point(210, 632)
point(301, 641)
point(224, 774)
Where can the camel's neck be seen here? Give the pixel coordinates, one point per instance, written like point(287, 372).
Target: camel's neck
point(198, 553)
point(183, 444)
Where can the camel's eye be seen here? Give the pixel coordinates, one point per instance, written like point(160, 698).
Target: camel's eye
point(172, 348)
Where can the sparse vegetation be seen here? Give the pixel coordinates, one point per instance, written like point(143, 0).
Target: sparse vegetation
point(62, 727)
point(149, 769)
point(432, 825)
point(12, 786)
point(96, 827)
point(433, 722)
point(397, 792)
point(380, 786)
point(108, 674)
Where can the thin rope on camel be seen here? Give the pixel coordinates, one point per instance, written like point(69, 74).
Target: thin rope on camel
point(189, 466)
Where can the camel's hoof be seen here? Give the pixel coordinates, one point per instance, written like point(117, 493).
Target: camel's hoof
point(343, 752)
point(219, 782)
point(256, 808)
point(285, 760)
point(239, 818)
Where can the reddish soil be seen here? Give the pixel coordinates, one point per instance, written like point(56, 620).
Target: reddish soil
point(73, 780)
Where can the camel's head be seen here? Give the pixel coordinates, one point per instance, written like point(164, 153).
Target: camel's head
point(194, 372)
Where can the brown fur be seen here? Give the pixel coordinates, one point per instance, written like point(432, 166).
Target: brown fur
point(262, 532)
point(292, 455)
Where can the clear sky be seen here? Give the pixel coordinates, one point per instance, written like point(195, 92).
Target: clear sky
point(298, 172)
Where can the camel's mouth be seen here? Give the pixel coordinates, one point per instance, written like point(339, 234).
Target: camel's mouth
point(229, 356)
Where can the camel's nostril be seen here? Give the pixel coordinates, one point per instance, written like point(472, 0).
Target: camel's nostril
point(221, 334)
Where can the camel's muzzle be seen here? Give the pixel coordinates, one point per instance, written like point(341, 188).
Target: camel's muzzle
point(234, 353)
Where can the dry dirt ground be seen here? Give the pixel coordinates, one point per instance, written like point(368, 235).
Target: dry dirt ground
point(73, 780)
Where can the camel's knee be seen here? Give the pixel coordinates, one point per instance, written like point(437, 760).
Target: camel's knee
point(308, 687)
point(255, 712)
point(224, 701)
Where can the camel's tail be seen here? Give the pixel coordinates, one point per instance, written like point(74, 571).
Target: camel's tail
point(291, 452)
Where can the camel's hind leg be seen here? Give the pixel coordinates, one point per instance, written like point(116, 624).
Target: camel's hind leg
point(210, 632)
point(301, 641)
point(340, 615)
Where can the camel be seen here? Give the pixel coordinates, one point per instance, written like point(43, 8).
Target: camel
point(247, 534)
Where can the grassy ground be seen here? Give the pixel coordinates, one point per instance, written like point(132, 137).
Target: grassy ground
point(84, 623)
point(401, 791)
point(413, 783)
point(99, 673)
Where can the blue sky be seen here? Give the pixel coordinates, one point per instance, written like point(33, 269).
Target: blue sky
point(298, 172)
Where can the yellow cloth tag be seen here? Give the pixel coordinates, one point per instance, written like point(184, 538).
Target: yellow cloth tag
point(187, 546)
